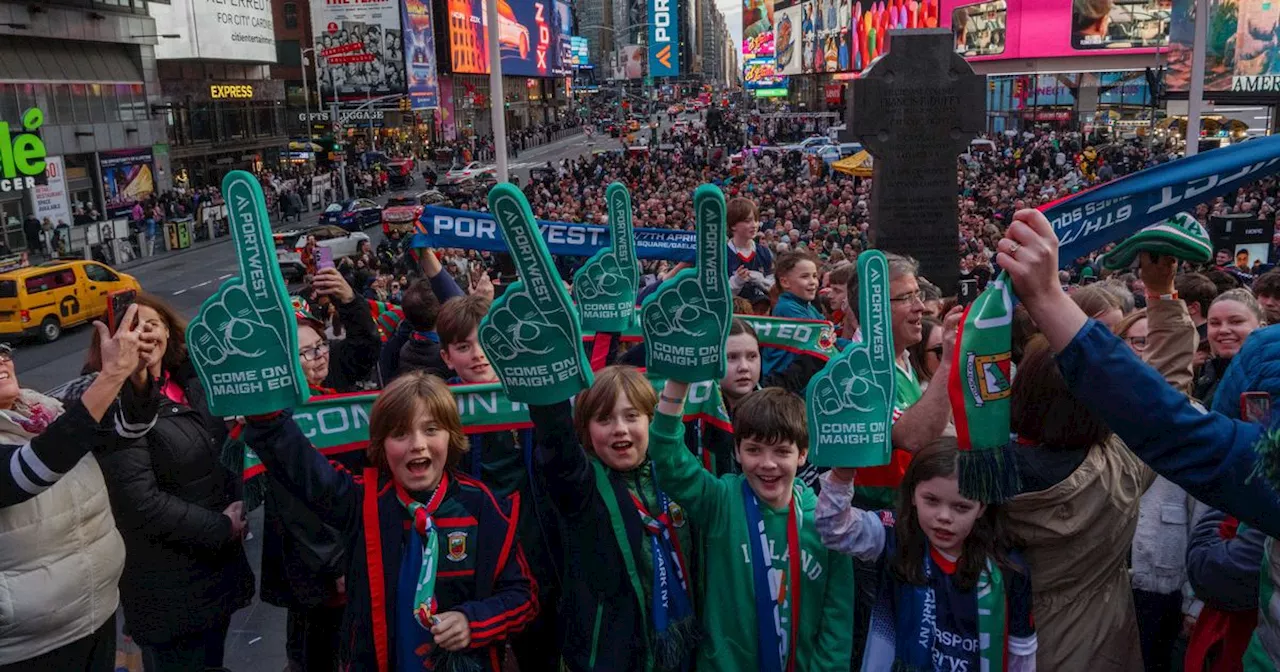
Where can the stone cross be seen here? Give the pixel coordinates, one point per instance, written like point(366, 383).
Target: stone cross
point(915, 110)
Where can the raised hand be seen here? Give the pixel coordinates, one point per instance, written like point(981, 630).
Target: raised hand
point(686, 322)
point(531, 334)
point(605, 287)
point(244, 342)
point(850, 401)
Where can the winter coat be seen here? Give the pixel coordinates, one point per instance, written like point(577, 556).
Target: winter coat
point(603, 621)
point(1223, 570)
point(445, 288)
point(1211, 455)
point(372, 523)
point(1076, 534)
point(60, 554)
point(184, 571)
point(1159, 557)
point(301, 556)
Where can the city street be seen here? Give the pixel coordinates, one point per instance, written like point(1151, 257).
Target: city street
point(256, 642)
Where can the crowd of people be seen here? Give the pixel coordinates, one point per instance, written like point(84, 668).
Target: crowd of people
point(617, 534)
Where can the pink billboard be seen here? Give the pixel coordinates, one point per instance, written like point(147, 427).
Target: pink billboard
point(1005, 29)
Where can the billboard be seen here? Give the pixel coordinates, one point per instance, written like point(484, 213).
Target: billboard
point(664, 39)
point(757, 28)
point(762, 73)
point(840, 36)
point(236, 31)
point(50, 199)
point(787, 33)
point(420, 55)
point(1006, 29)
point(579, 50)
point(361, 47)
point(1240, 53)
point(630, 62)
point(126, 179)
point(530, 38)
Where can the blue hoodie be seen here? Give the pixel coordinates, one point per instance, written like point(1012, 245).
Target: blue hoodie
point(773, 360)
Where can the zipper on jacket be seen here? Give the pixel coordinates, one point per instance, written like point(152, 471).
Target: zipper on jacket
point(595, 635)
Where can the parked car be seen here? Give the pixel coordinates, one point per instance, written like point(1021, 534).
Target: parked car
point(400, 213)
point(467, 172)
point(289, 246)
point(356, 214)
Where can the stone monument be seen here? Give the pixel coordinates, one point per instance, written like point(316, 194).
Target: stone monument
point(915, 110)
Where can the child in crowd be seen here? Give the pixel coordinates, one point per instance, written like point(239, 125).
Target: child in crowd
point(750, 265)
point(777, 598)
point(797, 286)
point(623, 536)
point(435, 576)
point(945, 572)
point(422, 351)
point(711, 439)
point(503, 461)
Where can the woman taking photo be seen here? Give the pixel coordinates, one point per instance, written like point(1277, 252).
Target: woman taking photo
point(62, 555)
point(1232, 317)
point(177, 508)
point(926, 355)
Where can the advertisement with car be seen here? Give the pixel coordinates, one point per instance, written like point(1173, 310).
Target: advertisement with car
point(532, 38)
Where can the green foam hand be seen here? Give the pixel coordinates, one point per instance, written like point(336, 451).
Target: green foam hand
point(850, 401)
point(686, 322)
point(531, 334)
point(605, 287)
point(244, 341)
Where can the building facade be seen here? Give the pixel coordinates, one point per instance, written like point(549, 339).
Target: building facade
point(89, 67)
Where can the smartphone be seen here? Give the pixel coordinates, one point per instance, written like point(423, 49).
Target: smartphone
point(968, 291)
point(324, 258)
point(1256, 407)
point(117, 303)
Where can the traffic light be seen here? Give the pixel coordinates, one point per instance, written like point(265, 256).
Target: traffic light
point(405, 105)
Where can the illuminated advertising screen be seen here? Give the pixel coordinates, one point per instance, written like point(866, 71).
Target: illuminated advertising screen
point(1008, 29)
point(757, 28)
point(980, 29)
point(361, 49)
point(420, 55)
point(1241, 53)
point(840, 36)
point(529, 38)
point(762, 73)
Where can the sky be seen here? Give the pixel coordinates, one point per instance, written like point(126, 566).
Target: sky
point(732, 10)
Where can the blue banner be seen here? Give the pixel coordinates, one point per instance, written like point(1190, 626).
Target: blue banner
point(1116, 210)
point(420, 54)
point(446, 227)
point(664, 39)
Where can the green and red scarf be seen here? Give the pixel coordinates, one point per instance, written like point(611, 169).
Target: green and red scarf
point(980, 387)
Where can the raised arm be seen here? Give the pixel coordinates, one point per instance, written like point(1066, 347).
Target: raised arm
point(679, 472)
point(846, 529)
point(294, 462)
point(925, 420)
point(36, 465)
point(562, 464)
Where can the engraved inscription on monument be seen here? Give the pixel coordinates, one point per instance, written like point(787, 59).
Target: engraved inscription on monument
point(915, 110)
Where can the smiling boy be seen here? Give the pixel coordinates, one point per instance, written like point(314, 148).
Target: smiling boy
point(780, 599)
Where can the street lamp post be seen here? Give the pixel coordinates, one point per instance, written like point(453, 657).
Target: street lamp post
point(306, 94)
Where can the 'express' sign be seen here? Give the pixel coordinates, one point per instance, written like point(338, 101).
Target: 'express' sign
point(234, 91)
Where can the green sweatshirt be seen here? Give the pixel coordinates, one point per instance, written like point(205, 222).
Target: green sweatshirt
point(715, 505)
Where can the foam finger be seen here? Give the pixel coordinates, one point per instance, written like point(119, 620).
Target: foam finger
point(621, 232)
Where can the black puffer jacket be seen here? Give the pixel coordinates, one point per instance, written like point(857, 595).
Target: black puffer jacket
point(183, 572)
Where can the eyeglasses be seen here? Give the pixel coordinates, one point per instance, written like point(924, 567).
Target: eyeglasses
point(6, 353)
point(908, 298)
point(316, 351)
point(1137, 342)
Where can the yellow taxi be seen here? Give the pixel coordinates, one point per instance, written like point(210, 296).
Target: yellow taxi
point(633, 125)
point(43, 299)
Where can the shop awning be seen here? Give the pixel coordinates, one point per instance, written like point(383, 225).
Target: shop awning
point(858, 165)
point(24, 59)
